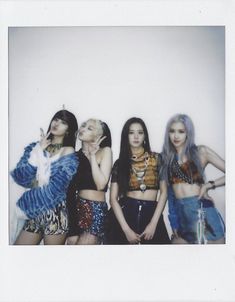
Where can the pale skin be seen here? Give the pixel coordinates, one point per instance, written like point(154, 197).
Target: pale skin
point(178, 136)
point(136, 139)
point(90, 134)
point(58, 129)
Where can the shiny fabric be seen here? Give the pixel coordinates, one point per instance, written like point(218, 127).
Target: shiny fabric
point(52, 222)
point(89, 217)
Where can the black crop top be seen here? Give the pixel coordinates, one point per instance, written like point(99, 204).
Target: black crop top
point(83, 179)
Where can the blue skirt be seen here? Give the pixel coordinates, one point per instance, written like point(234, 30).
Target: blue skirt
point(199, 220)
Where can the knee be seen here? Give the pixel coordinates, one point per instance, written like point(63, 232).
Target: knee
point(218, 241)
point(178, 240)
point(72, 240)
point(87, 238)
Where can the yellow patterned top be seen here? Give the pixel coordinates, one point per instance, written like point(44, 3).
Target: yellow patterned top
point(147, 167)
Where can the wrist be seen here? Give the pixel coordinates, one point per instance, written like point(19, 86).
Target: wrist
point(153, 223)
point(126, 229)
point(212, 184)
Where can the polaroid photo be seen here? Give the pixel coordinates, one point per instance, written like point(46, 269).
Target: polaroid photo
point(112, 61)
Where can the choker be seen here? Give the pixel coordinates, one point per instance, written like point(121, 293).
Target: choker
point(138, 156)
point(52, 148)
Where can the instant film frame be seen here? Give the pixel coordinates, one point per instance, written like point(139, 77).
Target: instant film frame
point(119, 72)
point(144, 65)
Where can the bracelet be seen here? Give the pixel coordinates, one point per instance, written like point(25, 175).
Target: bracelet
point(212, 184)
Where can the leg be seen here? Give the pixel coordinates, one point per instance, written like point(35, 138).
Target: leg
point(87, 238)
point(219, 241)
point(55, 239)
point(28, 238)
point(72, 240)
point(178, 240)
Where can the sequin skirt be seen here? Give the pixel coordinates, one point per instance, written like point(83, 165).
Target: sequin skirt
point(89, 217)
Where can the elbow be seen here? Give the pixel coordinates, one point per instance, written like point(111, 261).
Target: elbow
point(113, 201)
point(163, 196)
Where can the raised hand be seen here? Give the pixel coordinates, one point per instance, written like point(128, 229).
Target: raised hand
point(44, 141)
point(94, 147)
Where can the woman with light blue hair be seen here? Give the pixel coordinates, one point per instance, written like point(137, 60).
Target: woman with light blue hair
point(192, 214)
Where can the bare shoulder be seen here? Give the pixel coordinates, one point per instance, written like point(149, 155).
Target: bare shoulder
point(103, 154)
point(106, 151)
point(207, 155)
point(67, 150)
point(205, 150)
point(155, 154)
point(106, 154)
point(202, 149)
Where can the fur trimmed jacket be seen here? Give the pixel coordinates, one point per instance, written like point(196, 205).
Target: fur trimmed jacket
point(52, 176)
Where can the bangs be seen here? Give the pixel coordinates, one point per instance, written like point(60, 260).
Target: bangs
point(62, 116)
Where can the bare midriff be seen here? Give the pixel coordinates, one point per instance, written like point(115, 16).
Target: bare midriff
point(92, 195)
point(183, 190)
point(147, 195)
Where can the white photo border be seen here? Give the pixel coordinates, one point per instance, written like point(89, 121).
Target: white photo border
point(163, 273)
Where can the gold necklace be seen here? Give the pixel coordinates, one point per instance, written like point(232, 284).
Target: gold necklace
point(140, 173)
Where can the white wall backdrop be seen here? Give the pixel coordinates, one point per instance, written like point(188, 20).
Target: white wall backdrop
point(114, 73)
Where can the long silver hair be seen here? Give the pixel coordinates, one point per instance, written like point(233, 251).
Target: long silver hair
point(190, 150)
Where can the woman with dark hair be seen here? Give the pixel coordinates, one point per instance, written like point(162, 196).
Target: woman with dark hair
point(135, 184)
point(46, 169)
point(86, 194)
point(192, 214)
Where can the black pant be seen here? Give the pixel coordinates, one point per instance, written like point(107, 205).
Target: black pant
point(138, 214)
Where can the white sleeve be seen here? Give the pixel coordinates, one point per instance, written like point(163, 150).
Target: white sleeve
point(35, 155)
point(40, 160)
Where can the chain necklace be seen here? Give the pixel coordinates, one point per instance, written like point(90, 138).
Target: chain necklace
point(140, 173)
point(176, 168)
point(53, 148)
